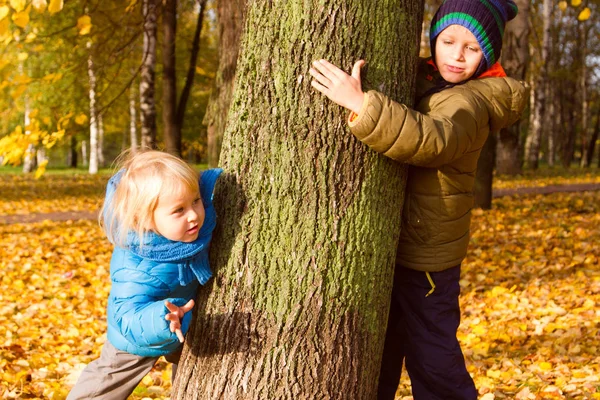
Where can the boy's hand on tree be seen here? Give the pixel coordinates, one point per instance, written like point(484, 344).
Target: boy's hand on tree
point(175, 316)
point(338, 86)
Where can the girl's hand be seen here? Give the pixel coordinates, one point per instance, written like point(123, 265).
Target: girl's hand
point(338, 86)
point(175, 315)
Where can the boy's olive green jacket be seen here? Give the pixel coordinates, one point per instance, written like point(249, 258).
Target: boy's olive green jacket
point(441, 141)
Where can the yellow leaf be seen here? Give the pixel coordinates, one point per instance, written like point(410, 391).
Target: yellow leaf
point(545, 366)
point(84, 24)
point(21, 19)
point(38, 174)
point(40, 5)
point(22, 56)
point(81, 119)
point(575, 3)
point(55, 6)
point(18, 5)
point(584, 14)
point(4, 10)
point(30, 37)
point(562, 5)
point(4, 29)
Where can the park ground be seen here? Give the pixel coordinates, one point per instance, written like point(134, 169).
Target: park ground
point(530, 288)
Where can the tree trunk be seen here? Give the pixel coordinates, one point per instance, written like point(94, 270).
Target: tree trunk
point(230, 17)
point(583, 90)
point(515, 58)
point(100, 149)
point(29, 158)
point(534, 141)
point(593, 140)
point(189, 81)
point(84, 153)
point(132, 120)
point(484, 176)
point(147, 79)
point(172, 135)
point(549, 124)
point(309, 217)
point(93, 167)
point(72, 155)
point(569, 128)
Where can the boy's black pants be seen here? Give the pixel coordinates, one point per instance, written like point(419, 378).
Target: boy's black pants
point(422, 332)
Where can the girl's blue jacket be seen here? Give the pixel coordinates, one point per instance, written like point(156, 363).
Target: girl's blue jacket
point(144, 277)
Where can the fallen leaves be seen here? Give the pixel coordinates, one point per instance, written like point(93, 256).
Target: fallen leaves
point(22, 194)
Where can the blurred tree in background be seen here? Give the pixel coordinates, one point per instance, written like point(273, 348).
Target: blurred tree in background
point(51, 50)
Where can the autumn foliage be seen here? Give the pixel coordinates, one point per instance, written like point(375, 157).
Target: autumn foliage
point(531, 290)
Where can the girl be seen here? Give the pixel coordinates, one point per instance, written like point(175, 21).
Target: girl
point(160, 217)
point(463, 95)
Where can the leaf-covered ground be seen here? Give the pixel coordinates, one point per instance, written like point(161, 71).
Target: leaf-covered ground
point(531, 293)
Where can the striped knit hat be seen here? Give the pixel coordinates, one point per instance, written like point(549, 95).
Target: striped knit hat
point(484, 18)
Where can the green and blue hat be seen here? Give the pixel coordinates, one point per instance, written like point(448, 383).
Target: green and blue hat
point(486, 19)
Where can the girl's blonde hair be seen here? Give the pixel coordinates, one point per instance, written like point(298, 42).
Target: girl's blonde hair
point(145, 176)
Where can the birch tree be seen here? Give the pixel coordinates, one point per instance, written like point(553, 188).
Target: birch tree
point(148, 76)
point(309, 217)
point(93, 166)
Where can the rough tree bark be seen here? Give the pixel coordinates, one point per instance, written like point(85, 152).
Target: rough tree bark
point(147, 76)
point(308, 216)
point(515, 58)
point(230, 18)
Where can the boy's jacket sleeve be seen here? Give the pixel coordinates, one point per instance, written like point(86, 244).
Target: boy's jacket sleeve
point(448, 128)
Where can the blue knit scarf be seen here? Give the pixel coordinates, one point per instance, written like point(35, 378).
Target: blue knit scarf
point(191, 257)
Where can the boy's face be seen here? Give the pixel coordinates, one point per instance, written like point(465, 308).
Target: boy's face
point(179, 216)
point(457, 53)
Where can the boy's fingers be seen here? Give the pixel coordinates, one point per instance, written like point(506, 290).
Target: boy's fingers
point(319, 72)
point(333, 69)
point(318, 86)
point(179, 335)
point(327, 69)
point(323, 81)
point(356, 69)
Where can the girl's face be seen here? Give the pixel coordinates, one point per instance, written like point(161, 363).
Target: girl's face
point(179, 216)
point(457, 54)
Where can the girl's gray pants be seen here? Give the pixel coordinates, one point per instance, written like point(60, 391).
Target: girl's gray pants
point(115, 374)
